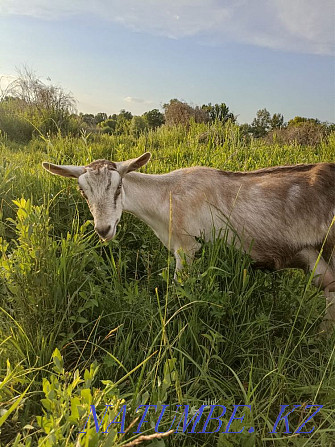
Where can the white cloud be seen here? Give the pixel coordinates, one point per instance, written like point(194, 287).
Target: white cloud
point(131, 99)
point(290, 25)
point(310, 21)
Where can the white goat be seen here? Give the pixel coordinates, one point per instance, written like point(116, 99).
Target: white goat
point(285, 213)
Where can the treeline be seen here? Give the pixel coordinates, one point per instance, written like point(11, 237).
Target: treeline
point(29, 107)
point(175, 113)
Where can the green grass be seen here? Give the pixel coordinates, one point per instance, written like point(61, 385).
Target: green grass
point(228, 334)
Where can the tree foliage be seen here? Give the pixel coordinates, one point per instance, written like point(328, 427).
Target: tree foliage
point(261, 123)
point(277, 121)
point(264, 123)
point(138, 125)
point(218, 112)
point(299, 120)
point(108, 126)
point(100, 117)
point(154, 118)
point(180, 113)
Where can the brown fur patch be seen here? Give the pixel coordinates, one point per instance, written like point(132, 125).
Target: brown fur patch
point(97, 164)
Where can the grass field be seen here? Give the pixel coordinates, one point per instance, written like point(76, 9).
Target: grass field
point(84, 322)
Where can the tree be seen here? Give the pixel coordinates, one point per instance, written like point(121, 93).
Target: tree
point(277, 121)
point(108, 126)
point(261, 124)
point(88, 118)
point(298, 120)
point(100, 117)
point(137, 125)
point(115, 124)
point(218, 112)
point(154, 118)
point(125, 114)
point(122, 124)
point(304, 133)
point(179, 112)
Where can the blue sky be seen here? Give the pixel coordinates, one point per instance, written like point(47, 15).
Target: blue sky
point(138, 54)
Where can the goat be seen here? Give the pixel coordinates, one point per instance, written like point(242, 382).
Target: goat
point(285, 213)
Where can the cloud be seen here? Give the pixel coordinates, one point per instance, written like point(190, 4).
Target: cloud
point(309, 21)
point(132, 100)
point(291, 25)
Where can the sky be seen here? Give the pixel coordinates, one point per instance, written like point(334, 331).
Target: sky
point(139, 54)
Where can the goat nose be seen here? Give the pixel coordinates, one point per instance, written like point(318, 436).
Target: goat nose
point(103, 231)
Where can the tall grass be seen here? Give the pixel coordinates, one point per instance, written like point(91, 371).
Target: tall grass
point(226, 334)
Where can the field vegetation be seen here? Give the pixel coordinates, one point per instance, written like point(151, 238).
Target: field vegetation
point(84, 322)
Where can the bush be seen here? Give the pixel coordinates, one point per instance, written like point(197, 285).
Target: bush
point(305, 133)
point(29, 106)
point(13, 124)
point(181, 113)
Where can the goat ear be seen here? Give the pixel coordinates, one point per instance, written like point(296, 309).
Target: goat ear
point(65, 170)
point(133, 164)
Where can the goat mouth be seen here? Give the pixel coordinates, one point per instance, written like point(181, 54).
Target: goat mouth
point(111, 234)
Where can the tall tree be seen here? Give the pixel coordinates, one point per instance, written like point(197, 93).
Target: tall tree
point(88, 118)
point(261, 123)
point(179, 112)
point(108, 126)
point(100, 117)
point(277, 121)
point(154, 118)
point(137, 125)
point(218, 112)
point(125, 114)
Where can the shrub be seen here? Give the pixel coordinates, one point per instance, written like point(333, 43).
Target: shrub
point(30, 106)
point(305, 133)
point(13, 123)
point(180, 113)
